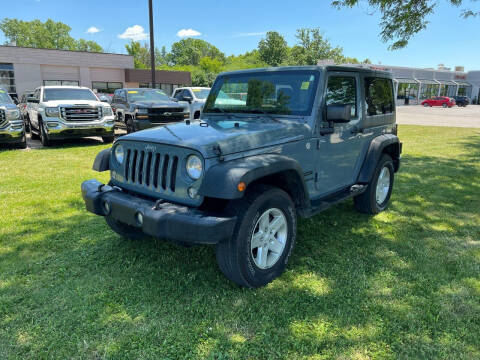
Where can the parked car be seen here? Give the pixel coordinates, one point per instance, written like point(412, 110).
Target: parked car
point(63, 112)
point(194, 96)
point(443, 101)
point(106, 98)
point(23, 108)
point(12, 129)
point(139, 109)
point(462, 101)
point(308, 138)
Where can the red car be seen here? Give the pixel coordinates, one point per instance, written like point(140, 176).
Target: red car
point(439, 101)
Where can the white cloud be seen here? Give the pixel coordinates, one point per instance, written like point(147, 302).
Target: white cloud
point(93, 30)
point(250, 34)
point(135, 33)
point(188, 33)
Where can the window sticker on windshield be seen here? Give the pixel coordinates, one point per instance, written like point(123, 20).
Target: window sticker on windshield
point(197, 90)
point(305, 85)
point(133, 92)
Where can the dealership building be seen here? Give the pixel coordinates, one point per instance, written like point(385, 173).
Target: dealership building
point(24, 69)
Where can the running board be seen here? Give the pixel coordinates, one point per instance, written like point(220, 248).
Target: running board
point(323, 204)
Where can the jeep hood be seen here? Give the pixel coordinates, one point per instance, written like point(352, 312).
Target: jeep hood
point(207, 136)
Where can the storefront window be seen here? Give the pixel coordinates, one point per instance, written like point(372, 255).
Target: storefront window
point(104, 87)
point(407, 90)
point(61, 83)
point(429, 90)
point(7, 78)
point(464, 90)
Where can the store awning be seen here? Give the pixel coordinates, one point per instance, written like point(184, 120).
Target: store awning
point(462, 83)
point(428, 82)
point(406, 81)
point(446, 82)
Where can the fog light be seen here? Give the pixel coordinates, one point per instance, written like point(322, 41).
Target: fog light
point(192, 192)
point(139, 218)
point(52, 125)
point(106, 207)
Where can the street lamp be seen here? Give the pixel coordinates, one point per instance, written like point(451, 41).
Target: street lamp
point(152, 44)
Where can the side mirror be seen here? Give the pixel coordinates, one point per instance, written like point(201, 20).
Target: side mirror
point(339, 113)
point(15, 101)
point(187, 98)
point(104, 99)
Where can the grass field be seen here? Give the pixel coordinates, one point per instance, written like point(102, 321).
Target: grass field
point(403, 284)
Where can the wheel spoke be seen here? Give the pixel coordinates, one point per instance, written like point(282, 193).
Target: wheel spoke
point(276, 245)
point(264, 221)
point(276, 224)
point(257, 239)
point(262, 254)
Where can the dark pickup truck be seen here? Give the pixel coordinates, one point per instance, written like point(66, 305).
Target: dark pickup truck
point(139, 109)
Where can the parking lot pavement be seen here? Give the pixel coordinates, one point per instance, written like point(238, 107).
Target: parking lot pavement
point(437, 116)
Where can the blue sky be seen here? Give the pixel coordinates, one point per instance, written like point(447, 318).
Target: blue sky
point(237, 26)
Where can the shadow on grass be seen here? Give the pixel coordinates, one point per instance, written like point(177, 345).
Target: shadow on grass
point(402, 284)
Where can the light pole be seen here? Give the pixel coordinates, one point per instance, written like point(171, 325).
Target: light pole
point(152, 43)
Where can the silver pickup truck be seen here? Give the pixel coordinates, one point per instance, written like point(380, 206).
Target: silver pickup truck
point(63, 112)
point(12, 130)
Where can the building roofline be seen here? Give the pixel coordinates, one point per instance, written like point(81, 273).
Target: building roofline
point(73, 51)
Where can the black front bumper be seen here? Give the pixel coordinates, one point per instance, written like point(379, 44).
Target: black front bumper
point(164, 221)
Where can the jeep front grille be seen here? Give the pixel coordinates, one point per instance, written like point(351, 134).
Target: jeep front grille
point(151, 170)
point(2, 117)
point(81, 113)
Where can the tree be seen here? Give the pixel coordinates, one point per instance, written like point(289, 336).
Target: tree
point(402, 19)
point(141, 54)
point(273, 50)
point(190, 51)
point(312, 47)
point(46, 35)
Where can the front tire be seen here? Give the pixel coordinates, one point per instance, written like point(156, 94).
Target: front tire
point(124, 230)
point(377, 196)
point(263, 238)
point(108, 139)
point(43, 136)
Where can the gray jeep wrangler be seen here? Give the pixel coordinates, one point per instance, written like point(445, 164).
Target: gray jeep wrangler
point(271, 145)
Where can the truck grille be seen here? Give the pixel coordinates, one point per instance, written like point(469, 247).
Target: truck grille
point(151, 170)
point(2, 117)
point(158, 111)
point(165, 115)
point(81, 113)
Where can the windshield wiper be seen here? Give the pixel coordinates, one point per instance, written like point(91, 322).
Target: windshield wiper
point(267, 114)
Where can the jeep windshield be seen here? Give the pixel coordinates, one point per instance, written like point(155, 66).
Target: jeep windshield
point(147, 96)
point(68, 94)
point(275, 92)
point(4, 97)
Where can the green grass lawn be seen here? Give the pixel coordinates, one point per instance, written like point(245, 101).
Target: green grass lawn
point(403, 284)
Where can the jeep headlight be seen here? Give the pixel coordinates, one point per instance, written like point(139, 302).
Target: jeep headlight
point(13, 114)
point(194, 167)
point(107, 111)
point(52, 111)
point(142, 111)
point(119, 154)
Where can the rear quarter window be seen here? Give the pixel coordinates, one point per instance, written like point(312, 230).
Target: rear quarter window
point(378, 96)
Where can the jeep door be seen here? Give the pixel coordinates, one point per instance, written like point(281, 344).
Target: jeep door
point(339, 148)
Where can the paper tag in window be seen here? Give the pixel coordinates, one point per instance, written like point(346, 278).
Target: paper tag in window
point(133, 92)
point(197, 90)
point(305, 85)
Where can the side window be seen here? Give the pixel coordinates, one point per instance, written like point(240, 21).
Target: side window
point(342, 90)
point(36, 94)
point(179, 95)
point(123, 96)
point(378, 96)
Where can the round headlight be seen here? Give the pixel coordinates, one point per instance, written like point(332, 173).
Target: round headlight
point(119, 154)
point(194, 167)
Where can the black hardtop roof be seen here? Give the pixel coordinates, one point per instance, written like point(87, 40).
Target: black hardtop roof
point(343, 68)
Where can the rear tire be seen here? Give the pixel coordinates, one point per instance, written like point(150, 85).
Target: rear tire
point(124, 230)
point(445, 106)
point(263, 238)
point(33, 135)
point(377, 196)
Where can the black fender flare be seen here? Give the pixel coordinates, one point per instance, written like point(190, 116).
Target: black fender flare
point(102, 160)
point(221, 181)
point(375, 151)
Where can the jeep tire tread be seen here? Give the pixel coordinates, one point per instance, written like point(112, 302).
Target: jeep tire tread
point(234, 255)
point(367, 201)
point(124, 230)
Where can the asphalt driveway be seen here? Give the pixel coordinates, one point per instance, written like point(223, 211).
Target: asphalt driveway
point(438, 116)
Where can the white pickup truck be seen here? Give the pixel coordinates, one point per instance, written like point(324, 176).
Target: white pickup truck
point(63, 112)
point(194, 96)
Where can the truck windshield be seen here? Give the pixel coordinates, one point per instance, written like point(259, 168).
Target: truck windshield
point(201, 93)
point(4, 97)
point(289, 92)
point(147, 96)
point(68, 94)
